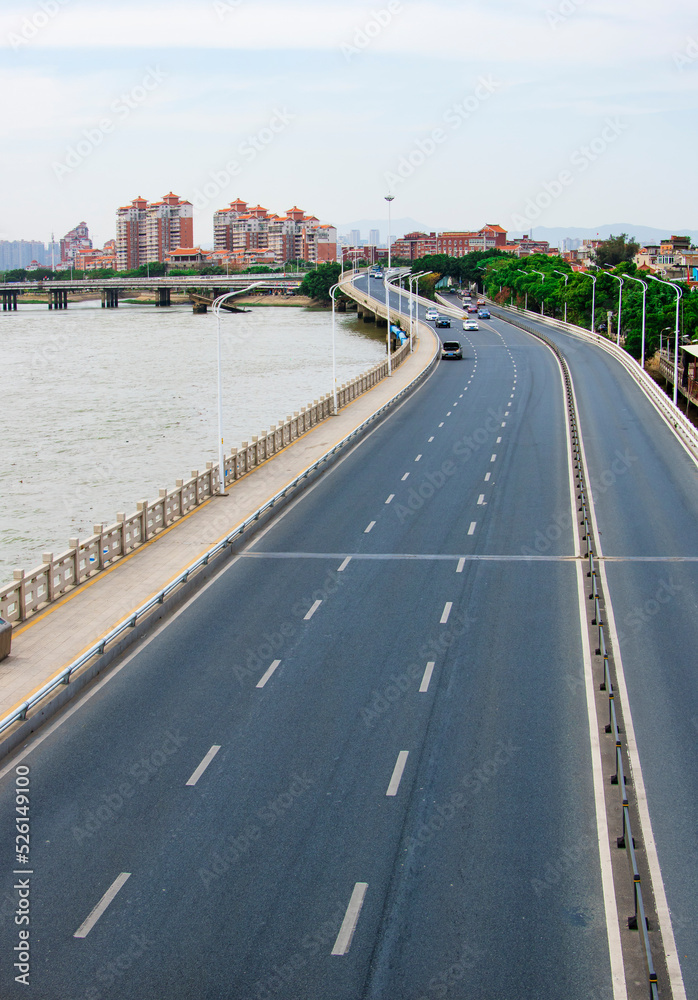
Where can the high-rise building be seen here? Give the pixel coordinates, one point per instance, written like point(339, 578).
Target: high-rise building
point(374, 237)
point(240, 229)
point(147, 233)
point(355, 237)
point(75, 242)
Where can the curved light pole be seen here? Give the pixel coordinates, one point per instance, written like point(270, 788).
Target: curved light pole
point(679, 293)
point(620, 303)
point(216, 310)
point(525, 292)
point(645, 286)
point(389, 198)
point(411, 278)
point(585, 274)
point(566, 277)
point(542, 303)
point(333, 290)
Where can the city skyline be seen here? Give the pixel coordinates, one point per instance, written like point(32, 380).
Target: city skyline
point(538, 114)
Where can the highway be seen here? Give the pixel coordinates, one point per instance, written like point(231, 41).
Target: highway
point(358, 763)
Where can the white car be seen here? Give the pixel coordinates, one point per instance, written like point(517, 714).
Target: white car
point(470, 324)
point(432, 314)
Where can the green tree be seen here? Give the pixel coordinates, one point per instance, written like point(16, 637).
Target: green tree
point(616, 249)
point(317, 283)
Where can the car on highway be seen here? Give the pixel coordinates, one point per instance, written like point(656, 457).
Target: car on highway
point(443, 321)
point(451, 349)
point(484, 313)
point(481, 302)
point(431, 314)
point(377, 273)
point(470, 324)
point(472, 309)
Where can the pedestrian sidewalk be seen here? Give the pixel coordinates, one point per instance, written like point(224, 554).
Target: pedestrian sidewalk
point(56, 636)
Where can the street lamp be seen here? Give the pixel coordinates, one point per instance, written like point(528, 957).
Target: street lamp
point(585, 274)
point(334, 367)
point(411, 278)
point(620, 302)
point(525, 292)
point(566, 277)
point(645, 286)
point(216, 309)
point(387, 316)
point(389, 198)
point(542, 304)
point(679, 293)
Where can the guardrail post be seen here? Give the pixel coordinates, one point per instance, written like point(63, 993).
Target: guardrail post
point(74, 544)
point(21, 593)
point(142, 507)
point(97, 529)
point(195, 477)
point(47, 559)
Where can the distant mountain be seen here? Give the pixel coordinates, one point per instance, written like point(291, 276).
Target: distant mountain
point(398, 228)
point(642, 234)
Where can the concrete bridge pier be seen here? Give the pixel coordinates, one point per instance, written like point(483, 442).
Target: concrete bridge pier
point(9, 301)
point(163, 297)
point(58, 299)
point(110, 298)
point(369, 317)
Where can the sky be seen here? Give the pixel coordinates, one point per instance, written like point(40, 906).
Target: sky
point(517, 112)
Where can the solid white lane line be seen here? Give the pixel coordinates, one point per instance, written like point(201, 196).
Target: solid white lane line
point(351, 917)
point(493, 459)
point(424, 686)
point(471, 529)
point(344, 564)
point(461, 564)
point(312, 611)
point(481, 499)
point(487, 477)
point(418, 458)
point(446, 612)
point(369, 527)
point(87, 925)
point(203, 765)
point(390, 498)
point(405, 477)
point(498, 441)
point(265, 677)
point(397, 772)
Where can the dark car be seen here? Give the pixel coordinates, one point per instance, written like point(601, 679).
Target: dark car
point(484, 313)
point(443, 321)
point(451, 349)
point(472, 309)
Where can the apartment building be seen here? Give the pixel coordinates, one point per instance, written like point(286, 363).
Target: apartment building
point(241, 228)
point(149, 232)
point(75, 242)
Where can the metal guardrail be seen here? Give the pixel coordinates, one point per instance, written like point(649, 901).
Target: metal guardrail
point(638, 920)
point(64, 677)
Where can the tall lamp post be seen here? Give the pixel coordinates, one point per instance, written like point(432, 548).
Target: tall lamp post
point(645, 286)
point(542, 302)
point(525, 292)
point(411, 278)
point(620, 303)
point(585, 274)
point(216, 309)
point(566, 277)
point(679, 293)
point(387, 316)
point(333, 291)
point(389, 198)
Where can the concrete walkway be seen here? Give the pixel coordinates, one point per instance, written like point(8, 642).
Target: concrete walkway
point(55, 637)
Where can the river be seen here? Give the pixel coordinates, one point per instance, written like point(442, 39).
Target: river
point(102, 407)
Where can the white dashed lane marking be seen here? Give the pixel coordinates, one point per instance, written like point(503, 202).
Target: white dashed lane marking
point(267, 674)
point(424, 686)
point(397, 772)
point(446, 612)
point(471, 529)
point(351, 917)
point(369, 528)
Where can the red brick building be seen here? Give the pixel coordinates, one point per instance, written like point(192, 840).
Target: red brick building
point(146, 233)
